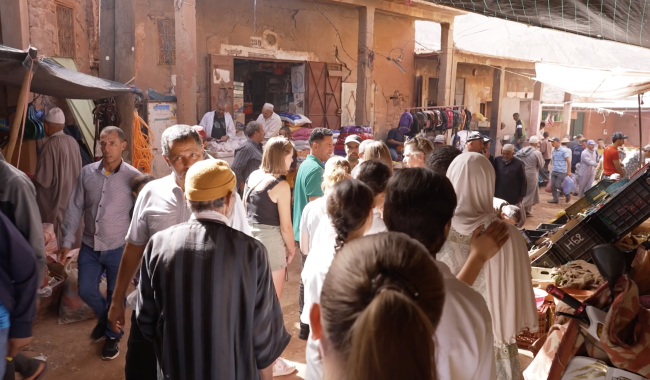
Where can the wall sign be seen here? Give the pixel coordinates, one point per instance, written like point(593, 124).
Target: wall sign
point(256, 42)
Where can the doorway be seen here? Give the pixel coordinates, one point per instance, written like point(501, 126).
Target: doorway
point(312, 89)
point(260, 82)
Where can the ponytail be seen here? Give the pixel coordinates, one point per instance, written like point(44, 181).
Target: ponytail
point(348, 206)
point(392, 339)
point(380, 304)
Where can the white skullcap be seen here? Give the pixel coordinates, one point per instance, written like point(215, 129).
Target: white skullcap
point(268, 106)
point(55, 115)
point(534, 140)
point(509, 147)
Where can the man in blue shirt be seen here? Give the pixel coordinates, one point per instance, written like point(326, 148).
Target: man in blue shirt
point(394, 140)
point(560, 168)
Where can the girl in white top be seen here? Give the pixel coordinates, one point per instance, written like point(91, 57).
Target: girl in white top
point(381, 303)
point(337, 169)
point(375, 174)
point(349, 216)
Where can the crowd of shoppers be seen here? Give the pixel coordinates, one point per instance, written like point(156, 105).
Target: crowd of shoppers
point(404, 272)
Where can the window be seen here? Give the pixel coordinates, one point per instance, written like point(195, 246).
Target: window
point(166, 42)
point(65, 26)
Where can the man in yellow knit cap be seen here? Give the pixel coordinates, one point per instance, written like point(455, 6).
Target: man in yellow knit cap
point(213, 286)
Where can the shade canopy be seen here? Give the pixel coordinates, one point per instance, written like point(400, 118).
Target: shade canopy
point(52, 79)
point(614, 20)
point(593, 83)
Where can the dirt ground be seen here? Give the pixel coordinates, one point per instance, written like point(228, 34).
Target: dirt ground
point(72, 356)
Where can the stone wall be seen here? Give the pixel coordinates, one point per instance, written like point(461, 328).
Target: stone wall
point(302, 31)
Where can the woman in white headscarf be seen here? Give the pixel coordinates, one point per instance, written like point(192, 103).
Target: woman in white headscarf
point(505, 280)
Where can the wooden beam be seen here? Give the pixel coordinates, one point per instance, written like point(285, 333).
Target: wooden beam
point(415, 12)
point(436, 13)
point(125, 67)
point(107, 39)
point(20, 110)
point(478, 59)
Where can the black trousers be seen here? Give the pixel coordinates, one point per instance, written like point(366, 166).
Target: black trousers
point(141, 362)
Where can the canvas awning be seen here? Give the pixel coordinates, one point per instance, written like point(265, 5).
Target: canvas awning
point(52, 79)
point(614, 20)
point(593, 83)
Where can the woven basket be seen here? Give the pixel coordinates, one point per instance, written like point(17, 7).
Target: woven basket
point(544, 319)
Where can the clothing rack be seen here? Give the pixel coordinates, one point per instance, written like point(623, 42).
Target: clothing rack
point(433, 108)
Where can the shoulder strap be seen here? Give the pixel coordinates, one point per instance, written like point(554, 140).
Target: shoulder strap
point(250, 188)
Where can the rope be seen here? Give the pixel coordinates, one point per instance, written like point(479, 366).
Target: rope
point(142, 145)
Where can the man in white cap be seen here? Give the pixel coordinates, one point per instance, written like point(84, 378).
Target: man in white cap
point(218, 124)
point(533, 162)
point(474, 142)
point(57, 169)
point(439, 141)
point(352, 143)
point(270, 121)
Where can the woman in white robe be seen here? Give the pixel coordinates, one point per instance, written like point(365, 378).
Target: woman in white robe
point(587, 171)
point(505, 280)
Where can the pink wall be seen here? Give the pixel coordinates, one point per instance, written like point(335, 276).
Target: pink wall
point(603, 126)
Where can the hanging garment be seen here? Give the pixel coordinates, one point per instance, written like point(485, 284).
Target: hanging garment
point(450, 117)
point(458, 120)
point(444, 119)
point(468, 118)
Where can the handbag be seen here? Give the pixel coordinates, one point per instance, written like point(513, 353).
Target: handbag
point(548, 187)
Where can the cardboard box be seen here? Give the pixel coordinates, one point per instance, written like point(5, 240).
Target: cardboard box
point(237, 105)
point(240, 120)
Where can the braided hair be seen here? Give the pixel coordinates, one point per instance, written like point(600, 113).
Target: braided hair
point(348, 206)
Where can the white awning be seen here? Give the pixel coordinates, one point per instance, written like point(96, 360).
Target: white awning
point(593, 83)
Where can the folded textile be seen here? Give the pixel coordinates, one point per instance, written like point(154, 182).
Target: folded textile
point(294, 118)
point(301, 134)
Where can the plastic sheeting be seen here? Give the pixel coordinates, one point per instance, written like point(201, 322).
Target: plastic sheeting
point(593, 83)
point(54, 80)
point(615, 20)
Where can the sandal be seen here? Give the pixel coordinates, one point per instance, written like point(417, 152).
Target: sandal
point(281, 368)
point(27, 366)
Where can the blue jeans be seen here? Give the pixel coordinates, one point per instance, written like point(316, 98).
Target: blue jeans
point(393, 154)
point(92, 265)
point(4, 340)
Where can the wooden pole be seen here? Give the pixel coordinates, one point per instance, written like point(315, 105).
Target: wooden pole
point(20, 109)
point(641, 159)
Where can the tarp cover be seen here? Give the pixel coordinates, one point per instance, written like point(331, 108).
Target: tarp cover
point(615, 20)
point(82, 109)
point(53, 80)
point(593, 83)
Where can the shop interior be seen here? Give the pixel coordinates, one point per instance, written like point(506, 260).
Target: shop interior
point(278, 83)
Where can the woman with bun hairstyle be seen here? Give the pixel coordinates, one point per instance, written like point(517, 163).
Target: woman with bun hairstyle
point(379, 307)
point(349, 216)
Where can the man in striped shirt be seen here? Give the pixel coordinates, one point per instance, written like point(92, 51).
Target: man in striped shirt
point(206, 298)
point(160, 205)
point(248, 158)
